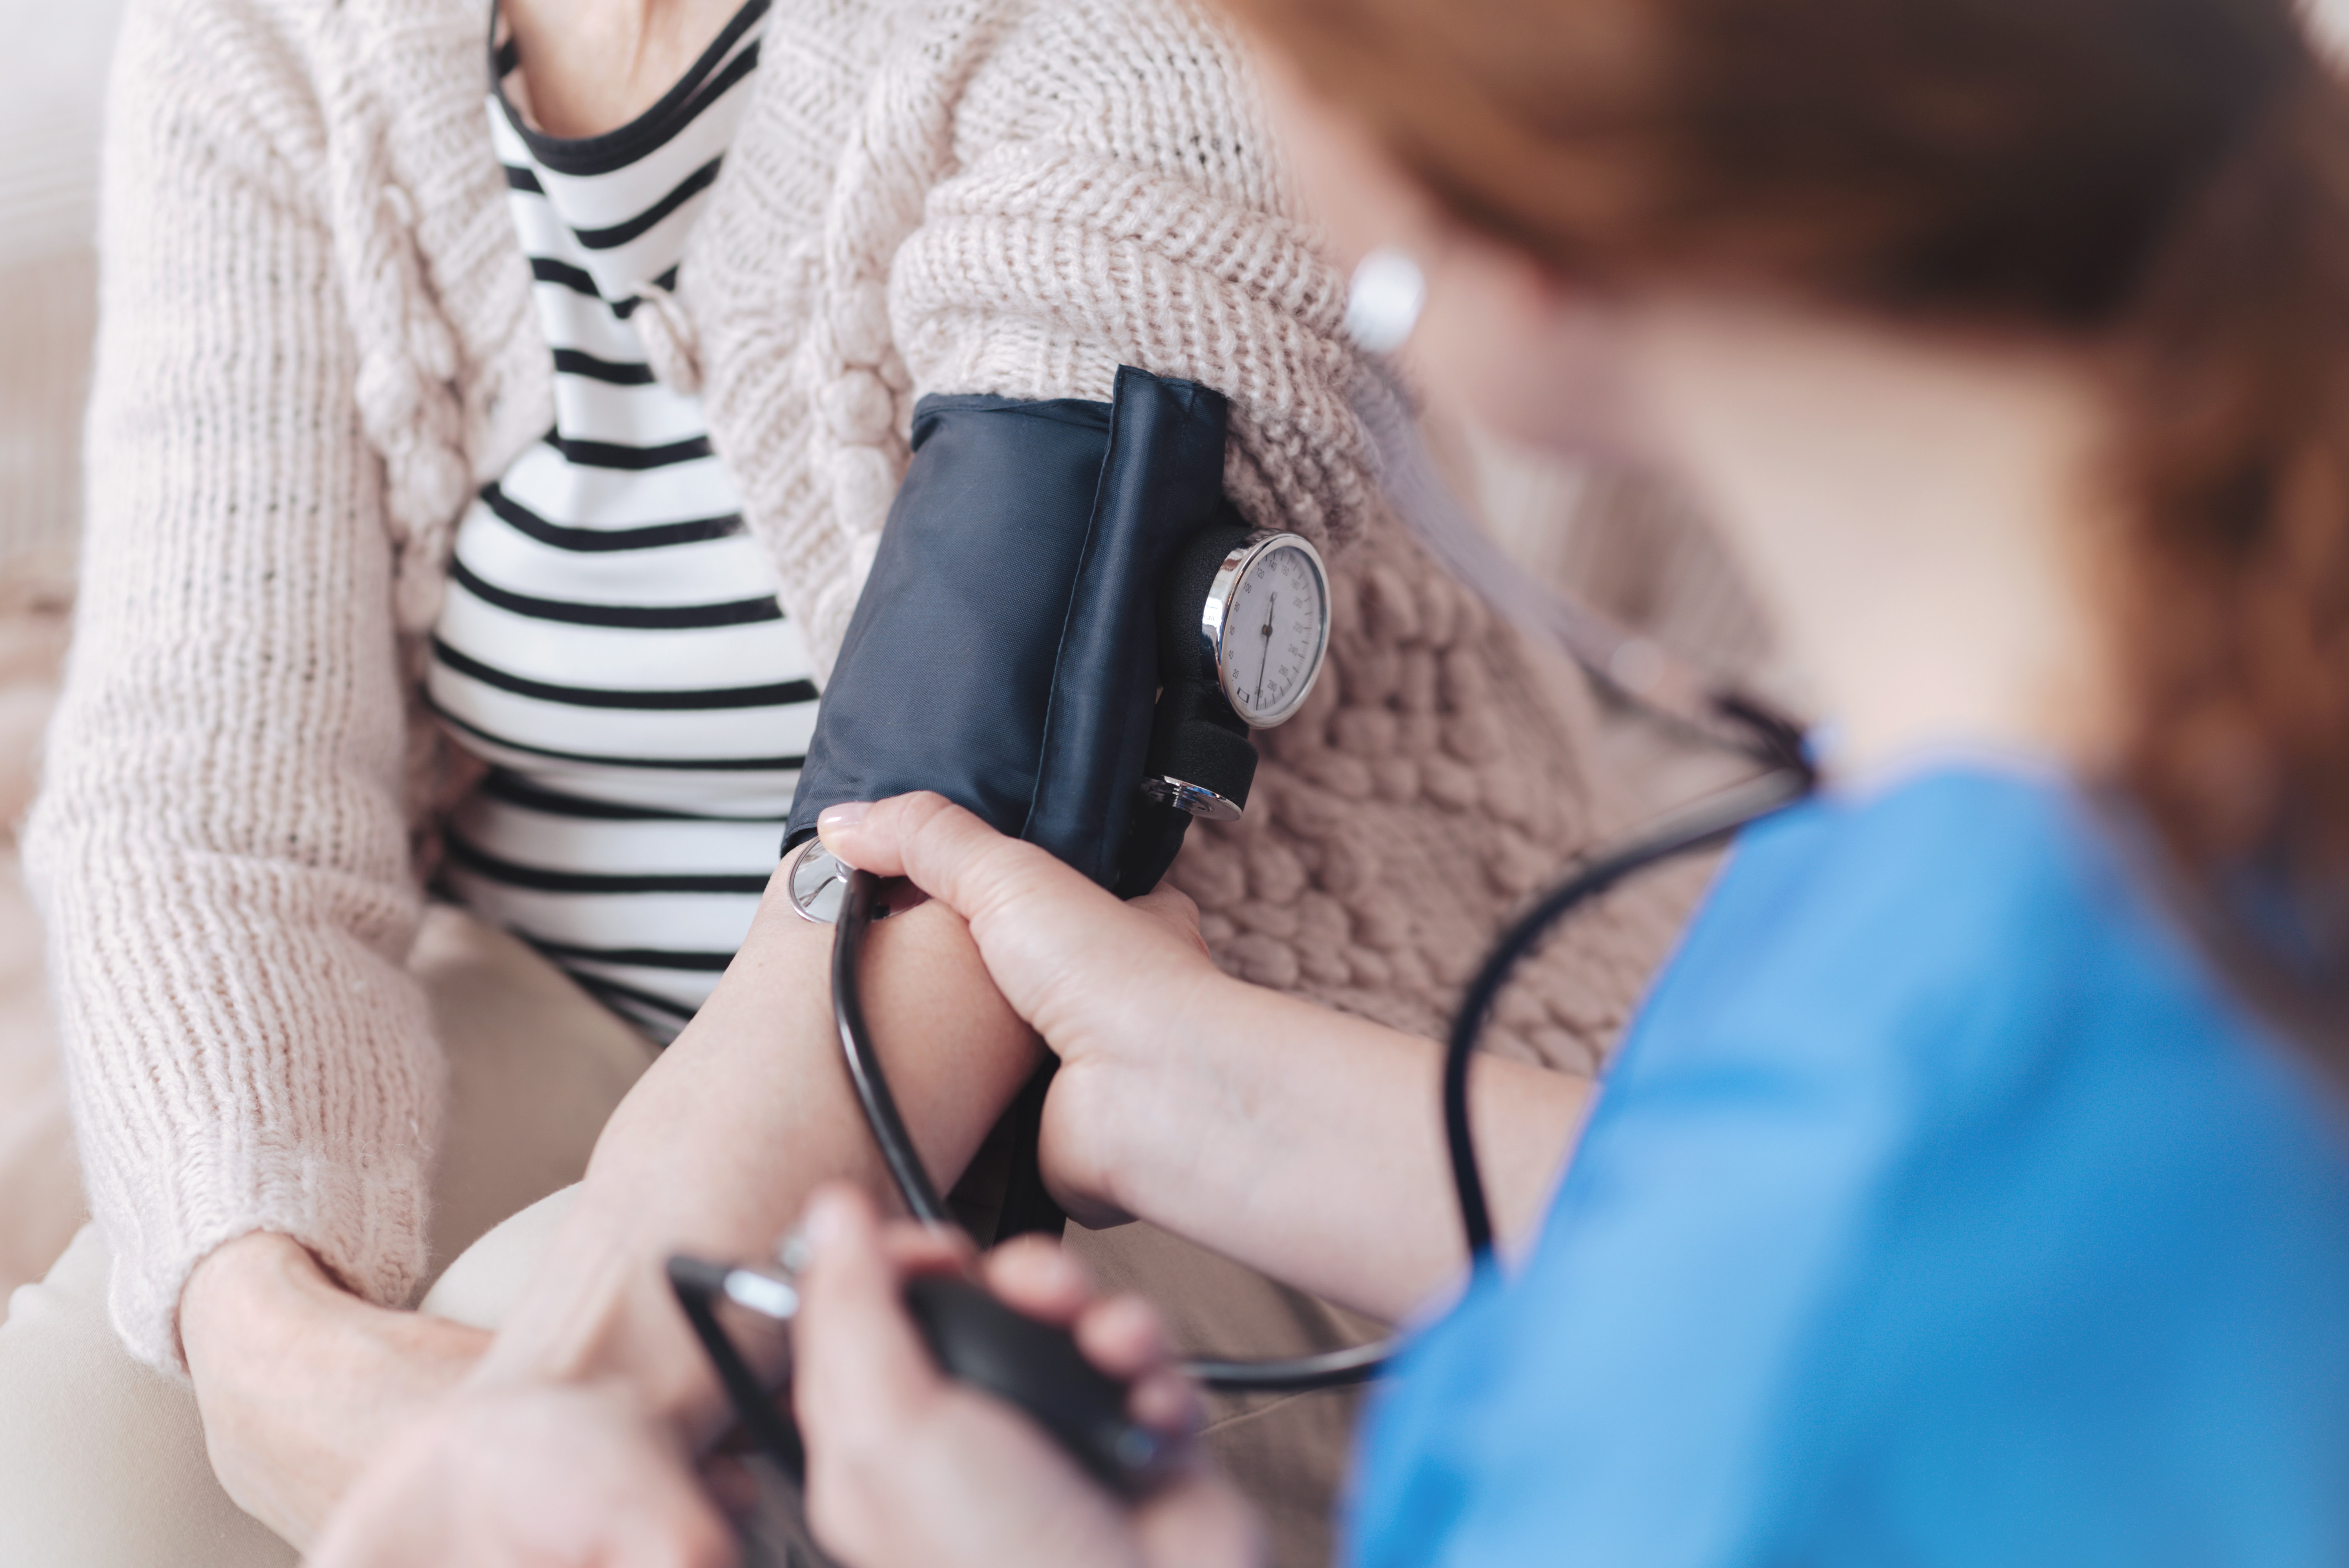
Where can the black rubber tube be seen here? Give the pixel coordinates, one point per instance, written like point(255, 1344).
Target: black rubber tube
point(1707, 824)
point(698, 1287)
point(897, 1150)
point(1778, 744)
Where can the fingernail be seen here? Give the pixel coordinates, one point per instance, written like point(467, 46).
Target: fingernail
point(847, 814)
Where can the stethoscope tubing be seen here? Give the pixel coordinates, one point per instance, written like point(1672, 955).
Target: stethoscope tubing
point(1704, 826)
point(861, 901)
point(859, 905)
point(1789, 778)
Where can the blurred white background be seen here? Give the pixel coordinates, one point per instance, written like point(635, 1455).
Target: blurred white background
point(52, 82)
point(52, 85)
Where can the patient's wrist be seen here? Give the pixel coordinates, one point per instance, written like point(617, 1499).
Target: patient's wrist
point(253, 1288)
point(600, 1309)
point(298, 1380)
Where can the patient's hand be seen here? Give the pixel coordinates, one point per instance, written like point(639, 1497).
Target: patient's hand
point(301, 1382)
point(713, 1153)
point(577, 1475)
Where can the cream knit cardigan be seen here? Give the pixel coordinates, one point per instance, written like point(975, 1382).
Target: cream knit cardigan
point(317, 341)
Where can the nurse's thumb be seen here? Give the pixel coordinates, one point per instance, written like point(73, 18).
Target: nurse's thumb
point(922, 836)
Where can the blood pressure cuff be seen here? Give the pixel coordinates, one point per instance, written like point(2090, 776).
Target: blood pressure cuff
point(1004, 652)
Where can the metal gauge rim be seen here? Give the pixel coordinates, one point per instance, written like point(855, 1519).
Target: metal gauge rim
point(818, 883)
point(1244, 556)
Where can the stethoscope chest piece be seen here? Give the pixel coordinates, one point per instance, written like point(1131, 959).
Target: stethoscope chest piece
point(819, 883)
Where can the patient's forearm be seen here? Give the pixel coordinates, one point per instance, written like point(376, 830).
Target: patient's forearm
point(1309, 1144)
point(715, 1148)
point(299, 1381)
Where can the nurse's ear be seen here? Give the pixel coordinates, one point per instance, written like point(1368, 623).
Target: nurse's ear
point(1501, 335)
point(1529, 354)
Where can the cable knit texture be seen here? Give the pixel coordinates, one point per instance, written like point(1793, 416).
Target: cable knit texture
point(317, 341)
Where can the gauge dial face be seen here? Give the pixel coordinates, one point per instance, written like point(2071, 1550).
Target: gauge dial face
point(1276, 628)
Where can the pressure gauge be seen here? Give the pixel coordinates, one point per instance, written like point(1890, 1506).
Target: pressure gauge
point(1265, 626)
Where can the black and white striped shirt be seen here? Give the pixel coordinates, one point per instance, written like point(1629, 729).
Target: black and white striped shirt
point(611, 645)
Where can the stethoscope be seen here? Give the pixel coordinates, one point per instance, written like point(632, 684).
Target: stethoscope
point(1036, 1367)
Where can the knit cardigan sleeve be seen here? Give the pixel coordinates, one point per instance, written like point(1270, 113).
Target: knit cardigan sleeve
point(221, 845)
point(996, 196)
point(1111, 195)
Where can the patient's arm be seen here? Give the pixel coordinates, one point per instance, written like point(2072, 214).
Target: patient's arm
point(717, 1145)
point(713, 1151)
point(715, 1148)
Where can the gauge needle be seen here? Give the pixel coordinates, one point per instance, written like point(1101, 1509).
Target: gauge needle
point(1256, 696)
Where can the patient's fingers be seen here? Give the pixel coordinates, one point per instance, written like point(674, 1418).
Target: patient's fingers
point(1038, 1278)
point(862, 1368)
point(529, 1476)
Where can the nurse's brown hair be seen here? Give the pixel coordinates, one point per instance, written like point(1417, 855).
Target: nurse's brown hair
point(2164, 181)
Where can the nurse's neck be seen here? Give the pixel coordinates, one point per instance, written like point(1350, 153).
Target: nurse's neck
point(1919, 513)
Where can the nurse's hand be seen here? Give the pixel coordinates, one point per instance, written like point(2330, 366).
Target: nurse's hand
point(1049, 933)
point(1289, 1137)
point(907, 1466)
point(1113, 986)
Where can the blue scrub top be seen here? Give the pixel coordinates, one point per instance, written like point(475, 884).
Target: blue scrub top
point(1939, 1209)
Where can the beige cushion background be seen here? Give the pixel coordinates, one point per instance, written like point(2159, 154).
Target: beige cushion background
point(40, 1187)
point(52, 90)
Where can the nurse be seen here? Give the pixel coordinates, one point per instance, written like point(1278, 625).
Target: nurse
point(1974, 1184)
